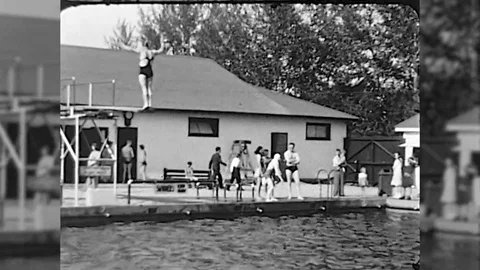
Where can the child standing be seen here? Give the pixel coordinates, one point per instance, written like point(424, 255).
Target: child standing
point(363, 180)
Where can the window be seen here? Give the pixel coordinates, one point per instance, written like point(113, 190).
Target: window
point(202, 127)
point(317, 131)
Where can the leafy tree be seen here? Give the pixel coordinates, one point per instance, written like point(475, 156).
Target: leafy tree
point(122, 34)
point(449, 66)
point(360, 59)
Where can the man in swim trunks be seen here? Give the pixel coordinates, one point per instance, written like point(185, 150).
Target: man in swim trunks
point(214, 166)
point(127, 156)
point(293, 159)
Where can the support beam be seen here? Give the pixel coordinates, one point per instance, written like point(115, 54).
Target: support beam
point(5, 139)
point(77, 162)
point(40, 81)
point(22, 173)
point(66, 143)
point(3, 182)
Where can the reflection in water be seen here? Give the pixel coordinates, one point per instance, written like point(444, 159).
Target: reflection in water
point(39, 263)
point(362, 240)
point(449, 251)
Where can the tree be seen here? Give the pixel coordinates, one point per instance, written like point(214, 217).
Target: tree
point(122, 34)
point(359, 59)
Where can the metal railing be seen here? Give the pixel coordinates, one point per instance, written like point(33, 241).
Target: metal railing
point(22, 82)
point(75, 89)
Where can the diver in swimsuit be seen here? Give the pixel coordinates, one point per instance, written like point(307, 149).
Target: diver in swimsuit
point(145, 78)
point(293, 159)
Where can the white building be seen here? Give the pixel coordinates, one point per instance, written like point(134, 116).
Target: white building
point(410, 130)
point(467, 129)
point(198, 105)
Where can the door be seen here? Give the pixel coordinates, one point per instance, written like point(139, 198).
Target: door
point(37, 137)
point(476, 159)
point(88, 136)
point(279, 143)
point(125, 134)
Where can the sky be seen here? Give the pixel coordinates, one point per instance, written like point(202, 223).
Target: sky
point(88, 26)
point(47, 9)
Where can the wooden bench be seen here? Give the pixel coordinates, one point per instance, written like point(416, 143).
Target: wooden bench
point(175, 181)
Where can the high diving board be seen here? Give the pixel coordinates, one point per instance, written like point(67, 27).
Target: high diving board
point(96, 111)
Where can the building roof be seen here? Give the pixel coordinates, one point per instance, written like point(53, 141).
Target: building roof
point(467, 121)
point(411, 124)
point(180, 83)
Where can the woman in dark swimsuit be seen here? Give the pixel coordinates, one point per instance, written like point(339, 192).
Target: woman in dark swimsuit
point(143, 164)
point(145, 78)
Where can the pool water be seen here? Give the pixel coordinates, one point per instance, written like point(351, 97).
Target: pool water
point(360, 240)
point(449, 251)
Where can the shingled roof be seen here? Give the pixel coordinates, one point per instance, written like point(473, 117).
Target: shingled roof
point(412, 123)
point(180, 83)
point(470, 120)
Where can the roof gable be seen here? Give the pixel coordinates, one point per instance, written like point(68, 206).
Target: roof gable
point(468, 121)
point(412, 123)
point(180, 83)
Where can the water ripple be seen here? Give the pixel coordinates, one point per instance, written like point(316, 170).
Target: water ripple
point(362, 240)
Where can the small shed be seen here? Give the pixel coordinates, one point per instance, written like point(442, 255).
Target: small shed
point(410, 130)
point(466, 126)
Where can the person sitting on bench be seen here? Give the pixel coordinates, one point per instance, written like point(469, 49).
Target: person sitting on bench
point(189, 172)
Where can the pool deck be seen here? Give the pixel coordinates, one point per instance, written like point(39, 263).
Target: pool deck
point(31, 240)
point(147, 205)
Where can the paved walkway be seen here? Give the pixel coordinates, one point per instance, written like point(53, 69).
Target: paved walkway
point(144, 194)
point(50, 215)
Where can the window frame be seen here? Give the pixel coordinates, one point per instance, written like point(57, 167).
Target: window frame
point(213, 122)
point(328, 127)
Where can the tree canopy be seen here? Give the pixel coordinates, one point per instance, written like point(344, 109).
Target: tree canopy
point(449, 62)
point(360, 59)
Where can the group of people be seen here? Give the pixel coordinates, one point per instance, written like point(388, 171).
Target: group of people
point(266, 170)
point(99, 157)
point(404, 177)
point(461, 194)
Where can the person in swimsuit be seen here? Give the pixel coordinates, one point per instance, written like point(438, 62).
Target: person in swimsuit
point(127, 155)
point(293, 159)
point(145, 78)
point(273, 169)
point(258, 168)
point(143, 164)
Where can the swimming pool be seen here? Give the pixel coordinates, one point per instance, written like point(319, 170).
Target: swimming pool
point(450, 251)
point(369, 239)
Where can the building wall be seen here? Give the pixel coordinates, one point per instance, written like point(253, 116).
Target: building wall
point(468, 143)
point(412, 140)
point(165, 135)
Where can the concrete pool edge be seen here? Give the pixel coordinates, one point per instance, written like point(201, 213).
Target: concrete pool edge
point(103, 215)
point(408, 205)
point(29, 243)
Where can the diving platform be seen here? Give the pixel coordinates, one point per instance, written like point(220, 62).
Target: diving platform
point(28, 98)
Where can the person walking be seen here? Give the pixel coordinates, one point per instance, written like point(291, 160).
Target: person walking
point(214, 166)
point(235, 178)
